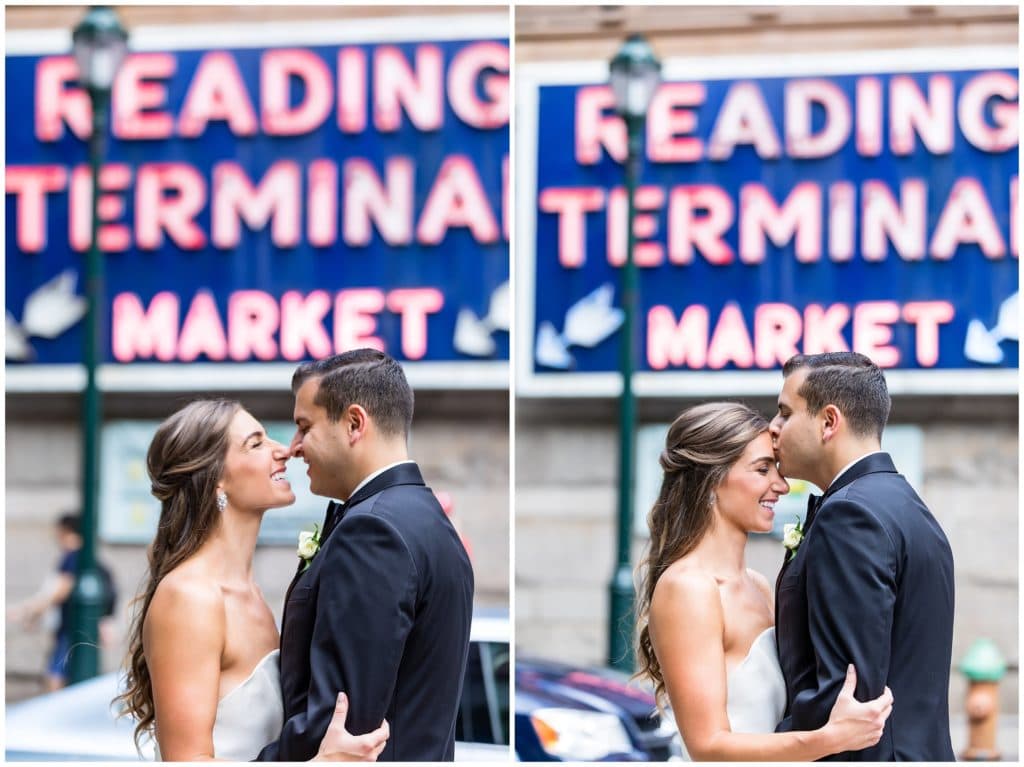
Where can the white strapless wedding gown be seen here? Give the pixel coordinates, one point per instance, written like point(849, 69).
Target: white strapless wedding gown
point(251, 715)
point(756, 689)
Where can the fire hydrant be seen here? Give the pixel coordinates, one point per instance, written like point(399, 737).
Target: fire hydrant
point(984, 667)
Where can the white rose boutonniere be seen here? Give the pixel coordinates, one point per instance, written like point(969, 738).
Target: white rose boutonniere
point(309, 545)
point(792, 536)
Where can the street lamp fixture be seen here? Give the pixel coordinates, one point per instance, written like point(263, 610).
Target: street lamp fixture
point(99, 43)
point(634, 75)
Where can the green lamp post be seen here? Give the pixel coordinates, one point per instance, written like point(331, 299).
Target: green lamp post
point(99, 43)
point(634, 74)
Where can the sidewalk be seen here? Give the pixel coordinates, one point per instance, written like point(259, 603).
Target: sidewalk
point(1006, 739)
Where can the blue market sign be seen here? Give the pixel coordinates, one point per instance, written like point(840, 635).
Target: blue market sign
point(872, 211)
point(265, 204)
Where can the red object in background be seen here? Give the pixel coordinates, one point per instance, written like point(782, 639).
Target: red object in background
point(448, 506)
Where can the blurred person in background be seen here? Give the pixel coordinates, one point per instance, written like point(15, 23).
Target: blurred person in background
point(52, 601)
point(706, 638)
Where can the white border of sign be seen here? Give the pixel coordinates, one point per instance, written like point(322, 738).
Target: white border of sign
point(529, 78)
point(249, 376)
point(183, 37)
point(468, 375)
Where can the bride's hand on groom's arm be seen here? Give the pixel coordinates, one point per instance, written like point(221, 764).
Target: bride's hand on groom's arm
point(853, 725)
point(339, 745)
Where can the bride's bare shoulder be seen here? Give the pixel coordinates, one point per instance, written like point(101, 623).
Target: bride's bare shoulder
point(185, 598)
point(685, 584)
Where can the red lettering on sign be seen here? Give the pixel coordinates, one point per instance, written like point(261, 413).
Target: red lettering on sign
point(671, 121)
point(322, 203)
point(571, 206)
point(388, 204)
point(596, 127)
point(967, 217)
point(138, 103)
point(457, 199)
point(744, 118)
point(217, 92)
point(302, 327)
point(398, 87)
point(912, 115)
point(30, 185)
point(60, 100)
point(731, 340)
point(1001, 88)
point(799, 216)
point(354, 320)
point(414, 304)
point(801, 98)
point(202, 331)
point(884, 220)
point(235, 198)
point(686, 229)
point(682, 344)
point(485, 63)
point(872, 331)
point(869, 116)
point(252, 321)
point(645, 226)
point(139, 333)
point(278, 68)
point(352, 90)
point(157, 212)
point(926, 316)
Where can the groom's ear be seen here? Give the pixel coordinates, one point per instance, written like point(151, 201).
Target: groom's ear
point(831, 420)
point(356, 422)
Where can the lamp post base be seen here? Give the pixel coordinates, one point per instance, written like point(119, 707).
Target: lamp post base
point(87, 606)
point(620, 641)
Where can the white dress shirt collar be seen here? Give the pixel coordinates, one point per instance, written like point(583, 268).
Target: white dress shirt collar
point(848, 466)
point(370, 477)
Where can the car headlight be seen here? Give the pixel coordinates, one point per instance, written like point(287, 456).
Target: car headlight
point(577, 735)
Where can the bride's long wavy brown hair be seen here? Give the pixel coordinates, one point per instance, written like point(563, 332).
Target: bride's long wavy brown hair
point(701, 446)
point(185, 461)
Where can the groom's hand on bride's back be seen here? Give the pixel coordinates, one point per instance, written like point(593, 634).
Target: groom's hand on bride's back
point(339, 745)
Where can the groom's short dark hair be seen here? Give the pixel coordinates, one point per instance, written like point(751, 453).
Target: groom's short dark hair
point(365, 377)
point(848, 380)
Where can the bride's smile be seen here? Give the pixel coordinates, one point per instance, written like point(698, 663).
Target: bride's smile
point(255, 467)
point(747, 495)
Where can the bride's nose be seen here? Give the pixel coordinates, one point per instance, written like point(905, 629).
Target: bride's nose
point(280, 452)
point(780, 485)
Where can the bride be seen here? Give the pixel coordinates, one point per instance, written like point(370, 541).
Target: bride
point(706, 635)
point(202, 661)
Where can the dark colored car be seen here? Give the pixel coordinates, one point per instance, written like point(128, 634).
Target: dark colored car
point(566, 713)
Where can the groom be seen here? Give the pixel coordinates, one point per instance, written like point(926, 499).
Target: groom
point(871, 583)
point(382, 612)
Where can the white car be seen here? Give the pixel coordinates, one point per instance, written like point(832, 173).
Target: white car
point(79, 724)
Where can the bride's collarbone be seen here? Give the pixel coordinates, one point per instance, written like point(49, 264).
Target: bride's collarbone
point(746, 616)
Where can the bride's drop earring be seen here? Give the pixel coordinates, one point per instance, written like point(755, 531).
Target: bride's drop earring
point(222, 501)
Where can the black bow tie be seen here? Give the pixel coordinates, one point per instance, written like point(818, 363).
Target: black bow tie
point(813, 503)
point(335, 511)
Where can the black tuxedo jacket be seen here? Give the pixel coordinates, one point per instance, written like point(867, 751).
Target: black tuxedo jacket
point(871, 584)
point(382, 614)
